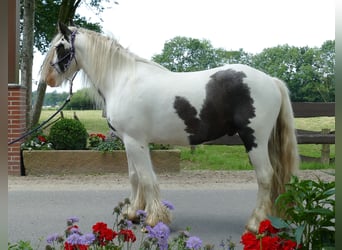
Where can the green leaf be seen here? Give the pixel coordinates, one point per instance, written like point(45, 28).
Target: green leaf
point(319, 211)
point(278, 222)
point(299, 233)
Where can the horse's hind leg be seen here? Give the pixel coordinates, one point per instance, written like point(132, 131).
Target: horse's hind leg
point(146, 195)
point(264, 173)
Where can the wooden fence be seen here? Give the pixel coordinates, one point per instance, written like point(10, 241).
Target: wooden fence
point(302, 110)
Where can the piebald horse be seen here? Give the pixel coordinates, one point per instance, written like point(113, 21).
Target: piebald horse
point(147, 103)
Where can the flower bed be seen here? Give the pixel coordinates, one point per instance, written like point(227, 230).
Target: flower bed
point(61, 162)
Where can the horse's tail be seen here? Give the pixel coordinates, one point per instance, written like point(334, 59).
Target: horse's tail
point(282, 145)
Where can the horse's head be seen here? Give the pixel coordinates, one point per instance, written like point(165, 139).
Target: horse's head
point(60, 62)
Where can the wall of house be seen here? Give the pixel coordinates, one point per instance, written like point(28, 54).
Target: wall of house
point(16, 125)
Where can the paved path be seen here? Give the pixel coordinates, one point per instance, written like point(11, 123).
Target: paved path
point(215, 204)
point(213, 215)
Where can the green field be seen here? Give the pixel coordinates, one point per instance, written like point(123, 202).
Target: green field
point(214, 157)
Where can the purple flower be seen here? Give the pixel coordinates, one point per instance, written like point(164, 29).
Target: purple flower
point(73, 239)
point(194, 243)
point(86, 239)
point(161, 232)
point(141, 213)
point(129, 223)
point(51, 238)
point(72, 220)
point(75, 230)
point(168, 204)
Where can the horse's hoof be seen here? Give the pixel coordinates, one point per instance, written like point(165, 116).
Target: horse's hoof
point(253, 225)
point(252, 228)
point(163, 216)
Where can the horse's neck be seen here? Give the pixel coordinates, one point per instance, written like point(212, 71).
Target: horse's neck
point(99, 68)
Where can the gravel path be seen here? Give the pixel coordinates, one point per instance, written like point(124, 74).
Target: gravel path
point(186, 179)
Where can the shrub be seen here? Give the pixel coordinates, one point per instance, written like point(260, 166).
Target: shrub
point(111, 145)
point(310, 210)
point(68, 134)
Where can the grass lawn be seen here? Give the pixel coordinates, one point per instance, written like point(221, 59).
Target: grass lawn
point(214, 157)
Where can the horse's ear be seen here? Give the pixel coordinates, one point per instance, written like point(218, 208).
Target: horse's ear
point(63, 29)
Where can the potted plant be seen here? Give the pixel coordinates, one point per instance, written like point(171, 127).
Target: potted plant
point(69, 149)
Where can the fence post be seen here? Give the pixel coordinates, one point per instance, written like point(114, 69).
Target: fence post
point(325, 154)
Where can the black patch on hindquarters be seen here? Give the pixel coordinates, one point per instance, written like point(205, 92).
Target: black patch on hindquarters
point(227, 109)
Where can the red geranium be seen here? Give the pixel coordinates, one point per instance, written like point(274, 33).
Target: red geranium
point(103, 233)
point(266, 238)
point(128, 235)
point(266, 227)
point(102, 136)
point(99, 226)
point(41, 138)
point(250, 241)
point(68, 246)
point(270, 243)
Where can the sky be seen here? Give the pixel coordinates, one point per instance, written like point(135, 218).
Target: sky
point(252, 25)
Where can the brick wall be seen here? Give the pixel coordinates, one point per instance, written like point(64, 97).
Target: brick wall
point(16, 125)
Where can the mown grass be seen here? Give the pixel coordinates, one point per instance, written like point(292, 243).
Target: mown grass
point(215, 157)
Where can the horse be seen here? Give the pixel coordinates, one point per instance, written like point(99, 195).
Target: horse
point(146, 103)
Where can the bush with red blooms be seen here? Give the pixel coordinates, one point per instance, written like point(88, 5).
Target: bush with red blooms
point(95, 139)
point(267, 238)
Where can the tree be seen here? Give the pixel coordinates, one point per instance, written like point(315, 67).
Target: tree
point(182, 54)
point(82, 100)
point(309, 72)
point(326, 60)
point(27, 54)
point(49, 12)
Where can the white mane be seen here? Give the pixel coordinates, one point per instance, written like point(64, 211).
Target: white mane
point(109, 57)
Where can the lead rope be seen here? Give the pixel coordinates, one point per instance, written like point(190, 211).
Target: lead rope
point(52, 116)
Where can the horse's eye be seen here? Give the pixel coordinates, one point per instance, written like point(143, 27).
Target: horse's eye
point(60, 48)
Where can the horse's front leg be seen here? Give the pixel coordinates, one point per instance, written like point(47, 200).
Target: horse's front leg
point(146, 196)
point(136, 204)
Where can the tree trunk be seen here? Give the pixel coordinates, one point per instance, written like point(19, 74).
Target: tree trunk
point(37, 108)
point(66, 14)
point(27, 56)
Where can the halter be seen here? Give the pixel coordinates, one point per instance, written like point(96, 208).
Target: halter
point(70, 55)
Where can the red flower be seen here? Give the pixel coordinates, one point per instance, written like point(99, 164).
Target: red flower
point(82, 247)
point(289, 245)
point(41, 138)
point(250, 241)
point(103, 233)
point(270, 243)
point(266, 227)
point(128, 235)
point(68, 246)
point(108, 234)
point(99, 226)
point(102, 136)
point(266, 238)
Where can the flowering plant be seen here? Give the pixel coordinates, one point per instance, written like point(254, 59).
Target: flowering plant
point(268, 237)
point(95, 139)
point(38, 141)
point(123, 234)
